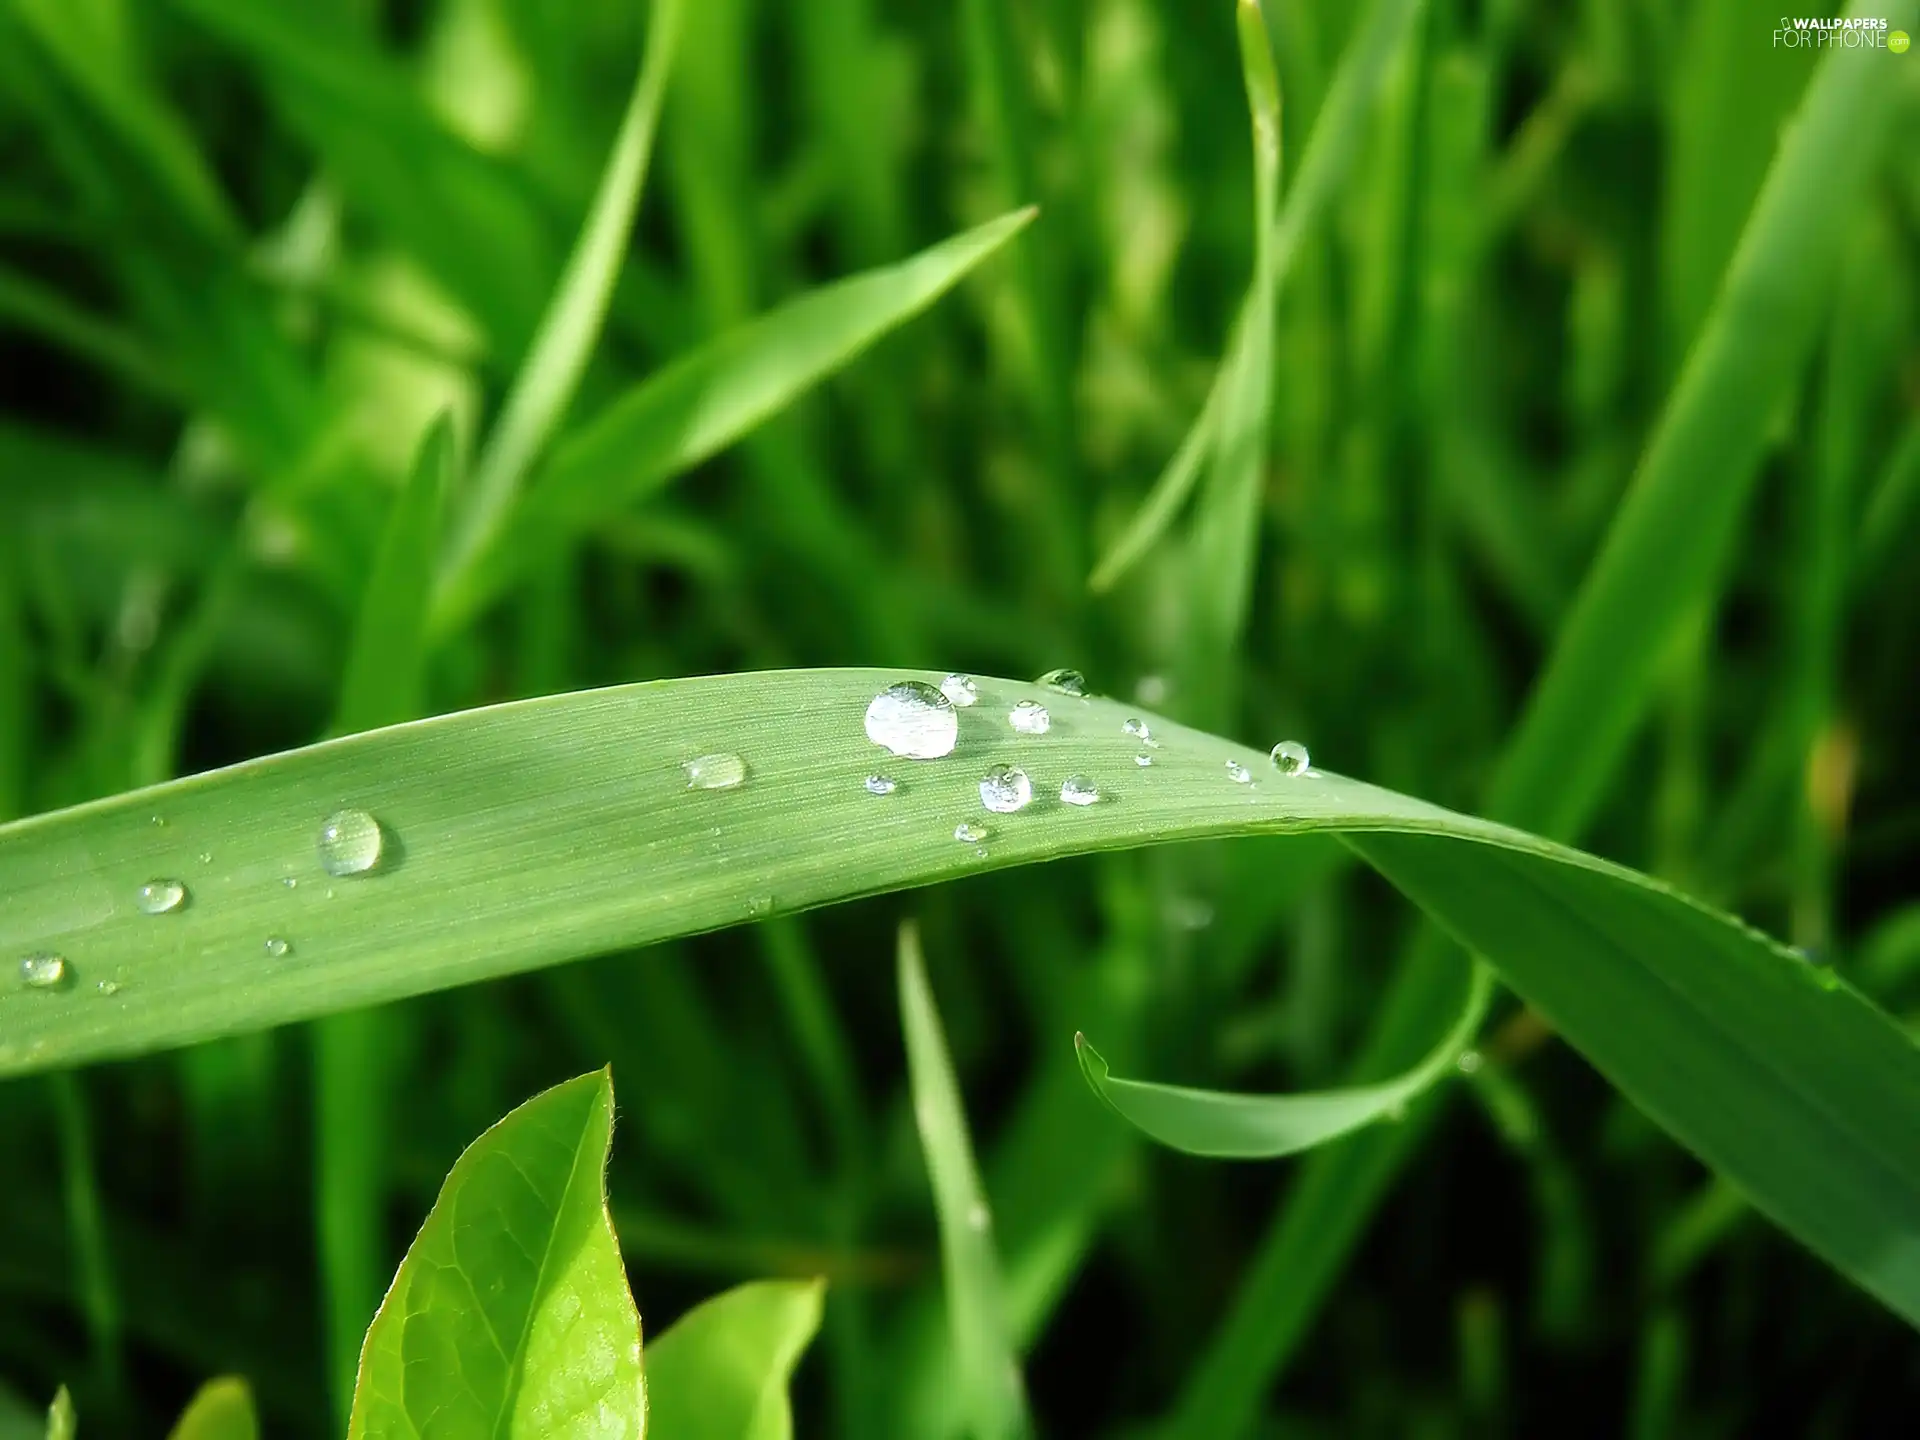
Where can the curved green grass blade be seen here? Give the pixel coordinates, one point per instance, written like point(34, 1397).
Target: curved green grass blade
point(705, 401)
point(60, 1417)
point(1249, 1127)
point(532, 833)
point(222, 1410)
point(720, 1372)
point(991, 1392)
point(510, 1315)
point(561, 347)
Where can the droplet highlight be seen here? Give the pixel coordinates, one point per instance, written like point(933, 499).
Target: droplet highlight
point(960, 689)
point(913, 720)
point(1137, 728)
point(1289, 757)
point(1143, 761)
point(1065, 682)
point(720, 771)
point(276, 948)
point(160, 897)
point(350, 842)
point(1079, 790)
point(881, 785)
point(45, 972)
point(1237, 773)
point(1030, 717)
point(967, 833)
point(1004, 789)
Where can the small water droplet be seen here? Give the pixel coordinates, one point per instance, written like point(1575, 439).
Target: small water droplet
point(1065, 682)
point(978, 1217)
point(968, 833)
point(1004, 790)
point(206, 857)
point(719, 771)
point(1030, 717)
point(1079, 790)
point(759, 905)
point(960, 689)
point(45, 972)
point(1237, 773)
point(1469, 1062)
point(277, 948)
point(349, 843)
point(1143, 761)
point(158, 897)
point(290, 882)
point(1137, 727)
point(881, 785)
point(913, 720)
point(107, 989)
point(1289, 757)
point(159, 822)
point(979, 852)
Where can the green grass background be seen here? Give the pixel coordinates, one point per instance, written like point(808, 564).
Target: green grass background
point(249, 253)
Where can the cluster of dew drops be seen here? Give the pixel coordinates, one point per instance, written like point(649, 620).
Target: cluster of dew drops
point(918, 721)
point(349, 843)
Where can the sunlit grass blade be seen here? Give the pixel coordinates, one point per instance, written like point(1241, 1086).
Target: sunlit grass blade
point(1219, 1123)
point(564, 342)
point(991, 1394)
point(705, 401)
point(222, 1410)
point(61, 1424)
point(1163, 503)
point(721, 1371)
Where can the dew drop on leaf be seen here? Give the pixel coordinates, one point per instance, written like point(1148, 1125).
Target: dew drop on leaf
point(967, 832)
point(1289, 757)
point(1079, 790)
point(1030, 717)
point(960, 689)
point(277, 948)
point(1066, 682)
point(1004, 790)
point(913, 720)
point(720, 771)
point(160, 897)
point(45, 971)
point(1237, 773)
point(349, 843)
point(881, 785)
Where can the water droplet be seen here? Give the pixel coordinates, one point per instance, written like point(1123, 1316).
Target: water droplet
point(158, 897)
point(715, 772)
point(206, 857)
point(1079, 790)
point(1004, 790)
point(159, 822)
point(978, 1217)
point(914, 720)
point(349, 843)
point(277, 948)
point(1030, 717)
point(1469, 1062)
point(960, 689)
point(967, 832)
point(758, 906)
point(1237, 773)
point(290, 882)
point(979, 852)
point(1289, 757)
point(881, 785)
point(1137, 727)
point(1066, 682)
point(1143, 761)
point(45, 972)
point(107, 989)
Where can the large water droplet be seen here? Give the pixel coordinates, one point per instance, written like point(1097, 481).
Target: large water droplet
point(349, 843)
point(1079, 790)
point(914, 720)
point(157, 897)
point(1004, 790)
point(715, 772)
point(968, 833)
point(45, 972)
point(1289, 757)
point(1066, 682)
point(277, 948)
point(960, 689)
point(1030, 717)
point(1237, 773)
point(881, 785)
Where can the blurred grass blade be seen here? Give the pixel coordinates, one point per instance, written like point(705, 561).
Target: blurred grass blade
point(564, 342)
point(705, 401)
point(721, 1371)
point(1231, 1126)
point(30, 305)
point(60, 1417)
point(514, 1277)
point(988, 1368)
point(531, 833)
point(1336, 137)
point(222, 1410)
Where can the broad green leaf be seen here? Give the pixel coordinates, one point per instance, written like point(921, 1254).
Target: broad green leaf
point(60, 1418)
point(991, 1392)
point(720, 1371)
point(1214, 1122)
point(223, 1410)
point(705, 401)
point(510, 1315)
point(532, 833)
point(562, 346)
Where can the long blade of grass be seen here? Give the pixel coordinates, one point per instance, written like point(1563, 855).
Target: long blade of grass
point(530, 833)
point(551, 373)
point(705, 401)
point(1248, 1127)
point(987, 1364)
